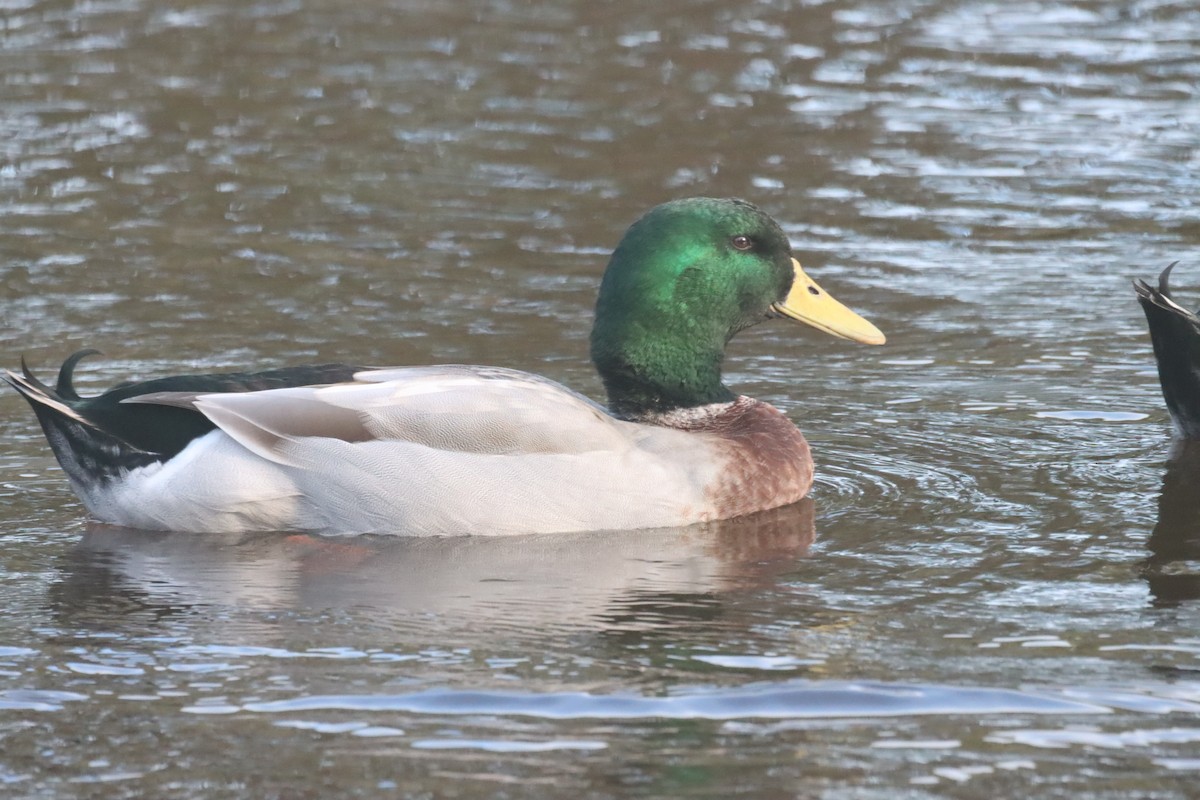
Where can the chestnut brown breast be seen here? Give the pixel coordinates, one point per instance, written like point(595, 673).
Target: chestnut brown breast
point(768, 460)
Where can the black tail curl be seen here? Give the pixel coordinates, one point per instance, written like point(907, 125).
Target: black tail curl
point(102, 435)
point(65, 386)
point(1175, 334)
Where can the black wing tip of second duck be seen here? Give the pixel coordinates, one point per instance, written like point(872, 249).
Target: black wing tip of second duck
point(1175, 335)
point(1160, 295)
point(1164, 279)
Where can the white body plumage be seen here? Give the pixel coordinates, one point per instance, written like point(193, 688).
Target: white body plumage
point(418, 451)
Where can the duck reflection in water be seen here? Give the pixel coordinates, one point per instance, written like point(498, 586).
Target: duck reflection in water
point(1171, 568)
point(1175, 542)
point(627, 580)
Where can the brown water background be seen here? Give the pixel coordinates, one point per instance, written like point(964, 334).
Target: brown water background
point(1002, 595)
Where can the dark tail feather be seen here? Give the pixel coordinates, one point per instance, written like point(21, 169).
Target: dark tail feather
point(87, 453)
point(30, 380)
point(65, 387)
point(1175, 333)
point(38, 394)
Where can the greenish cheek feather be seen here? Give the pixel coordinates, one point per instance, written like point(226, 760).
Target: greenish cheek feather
point(674, 294)
point(663, 347)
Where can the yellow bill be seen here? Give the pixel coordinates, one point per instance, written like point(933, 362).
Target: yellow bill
point(812, 305)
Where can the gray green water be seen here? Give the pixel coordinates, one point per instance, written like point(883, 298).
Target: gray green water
point(992, 592)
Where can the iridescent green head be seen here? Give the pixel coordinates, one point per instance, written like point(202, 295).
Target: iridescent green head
point(685, 278)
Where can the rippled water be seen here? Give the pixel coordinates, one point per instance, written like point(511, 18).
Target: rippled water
point(993, 591)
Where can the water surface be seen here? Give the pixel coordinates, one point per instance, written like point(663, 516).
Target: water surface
point(993, 591)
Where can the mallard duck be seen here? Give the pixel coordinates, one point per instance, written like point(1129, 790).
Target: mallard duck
point(1175, 334)
point(472, 449)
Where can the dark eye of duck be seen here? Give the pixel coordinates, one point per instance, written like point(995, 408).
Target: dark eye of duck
point(742, 242)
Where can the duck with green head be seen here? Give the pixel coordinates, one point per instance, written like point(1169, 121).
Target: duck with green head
point(484, 450)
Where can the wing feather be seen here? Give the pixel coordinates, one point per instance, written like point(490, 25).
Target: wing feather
point(462, 409)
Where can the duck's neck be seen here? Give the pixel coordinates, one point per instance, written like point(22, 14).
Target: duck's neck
point(648, 376)
point(663, 319)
